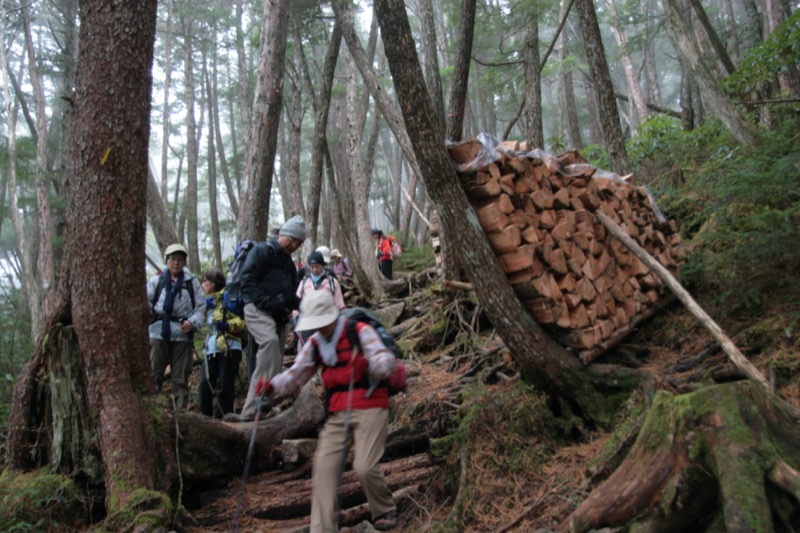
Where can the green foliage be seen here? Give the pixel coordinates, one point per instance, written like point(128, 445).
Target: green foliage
point(597, 154)
point(40, 502)
point(743, 211)
point(760, 66)
point(16, 346)
point(415, 258)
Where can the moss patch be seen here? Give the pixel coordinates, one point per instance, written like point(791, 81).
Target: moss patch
point(40, 502)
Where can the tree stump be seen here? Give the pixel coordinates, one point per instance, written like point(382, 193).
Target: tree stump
point(726, 455)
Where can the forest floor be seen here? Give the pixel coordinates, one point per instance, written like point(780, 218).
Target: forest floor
point(473, 489)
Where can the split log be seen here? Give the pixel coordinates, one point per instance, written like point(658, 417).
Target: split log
point(683, 295)
point(542, 225)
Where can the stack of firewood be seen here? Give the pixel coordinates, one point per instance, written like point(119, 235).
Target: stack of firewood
point(575, 279)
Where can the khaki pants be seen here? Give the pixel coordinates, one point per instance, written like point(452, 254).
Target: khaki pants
point(368, 429)
point(178, 355)
point(271, 340)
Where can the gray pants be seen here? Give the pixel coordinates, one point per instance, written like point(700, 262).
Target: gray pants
point(178, 355)
point(271, 339)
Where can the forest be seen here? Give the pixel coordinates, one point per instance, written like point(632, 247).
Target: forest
point(599, 203)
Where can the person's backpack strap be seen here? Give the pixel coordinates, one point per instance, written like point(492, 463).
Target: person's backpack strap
point(187, 284)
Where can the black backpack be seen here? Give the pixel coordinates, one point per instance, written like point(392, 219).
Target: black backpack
point(233, 284)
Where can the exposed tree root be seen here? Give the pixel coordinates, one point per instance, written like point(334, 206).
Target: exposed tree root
point(715, 456)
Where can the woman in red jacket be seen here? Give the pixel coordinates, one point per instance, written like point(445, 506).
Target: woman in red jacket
point(383, 251)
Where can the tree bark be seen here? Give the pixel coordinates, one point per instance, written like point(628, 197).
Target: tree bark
point(534, 132)
point(631, 73)
point(157, 215)
point(613, 137)
point(46, 269)
point(192, 145)
point(432, 77)
point(108, 169)
point(231, 189)
point(166, 114)
point(320, 128)
point(253, 220)
point(212, 166)
point(458, 89)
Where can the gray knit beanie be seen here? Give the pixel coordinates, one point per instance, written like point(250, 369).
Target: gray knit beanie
point(295, 228)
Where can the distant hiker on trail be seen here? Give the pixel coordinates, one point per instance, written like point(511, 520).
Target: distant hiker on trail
point(223, 349)
point(302, 271)
point(353, 407)
point(269, 281)
point(341, 265)
point(176, 307)
point(383, 251)
point(318, 279)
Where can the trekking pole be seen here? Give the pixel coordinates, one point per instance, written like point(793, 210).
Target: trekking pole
point(346, 443)
point(248, 459)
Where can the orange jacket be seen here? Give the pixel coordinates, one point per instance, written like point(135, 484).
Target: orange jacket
point(384, 248)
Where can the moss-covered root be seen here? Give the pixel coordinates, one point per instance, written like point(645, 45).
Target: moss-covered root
point(145, 507)
point(723, 458)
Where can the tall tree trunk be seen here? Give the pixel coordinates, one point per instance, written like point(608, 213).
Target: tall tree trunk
point(631, 73)
point(568, 87)
point(458, 89)
point(192, 151)
point(45, 267)
point(318, 150)
point(263, 141)
point(712, 92)
point(108, 173)
point(245, 95)
point(231, 190)
point(388, 109)
point(534, 132)
point(432, 77)
point(294, 113)
point(360, 186)
point(713, 38)
point(166, 119)
point(542, 360)
point(613, 137)
point(158, 217)
point(212, 165)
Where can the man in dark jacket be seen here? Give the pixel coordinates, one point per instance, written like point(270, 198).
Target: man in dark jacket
point(269, 279)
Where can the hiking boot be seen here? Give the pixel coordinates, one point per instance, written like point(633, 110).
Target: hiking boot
point(386, 522)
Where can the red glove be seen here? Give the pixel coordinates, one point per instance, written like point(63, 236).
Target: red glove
point(264, 387)
point(397, 381)
point(340, 376)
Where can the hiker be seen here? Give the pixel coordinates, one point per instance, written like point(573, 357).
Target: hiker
point(347, 374)
point(341, 265)
point(383, 250)
point(223, 349)
point(302, 270)
point(269, 281)
point(176, 305)
point(318, 279)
